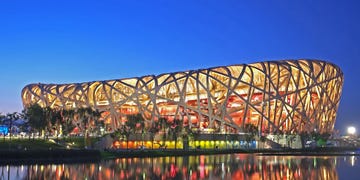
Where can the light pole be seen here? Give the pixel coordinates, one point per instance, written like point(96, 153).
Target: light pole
point(351, 130)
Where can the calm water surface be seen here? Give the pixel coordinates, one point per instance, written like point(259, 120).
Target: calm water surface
point(229, 166)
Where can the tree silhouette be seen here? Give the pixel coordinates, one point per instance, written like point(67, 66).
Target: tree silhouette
point(163, 125)
point(175, 129)
point(250, 133)
point(96, 115)
point(11, 117)
point(36, 117)
point(155, 128)
point(67, 121)
point(135, 123)
point(85, 115)
point(55, 121)
point(48, 113)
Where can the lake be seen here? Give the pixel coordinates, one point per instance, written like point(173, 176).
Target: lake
point(228, 166)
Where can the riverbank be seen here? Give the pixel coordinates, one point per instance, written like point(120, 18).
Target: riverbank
point(321, 151)
point(59, 156)
point(30, 151)
point(45, 156)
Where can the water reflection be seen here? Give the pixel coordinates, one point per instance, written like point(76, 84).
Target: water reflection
point(230, 166)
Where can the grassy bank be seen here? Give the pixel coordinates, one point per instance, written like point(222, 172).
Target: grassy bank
point(19, 144)
point(53, 156)
point(29, 151)
point(61, 143)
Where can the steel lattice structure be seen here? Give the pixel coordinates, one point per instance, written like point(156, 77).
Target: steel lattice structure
point(286, 96)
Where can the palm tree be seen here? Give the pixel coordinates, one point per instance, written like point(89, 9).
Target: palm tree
point(155, 128)
point(124, 131)
point(84, 116)
point(36, 117)
point(250, 131)
point(128, 128)
point(67, 121)
point(164, 126)
point(11, 117)
point(135, 123)
point(175, 129)
point(48, 113)
point(1, 116)
point(55, 121)
point(262, 140)
point(186, 134)
point(96, 115)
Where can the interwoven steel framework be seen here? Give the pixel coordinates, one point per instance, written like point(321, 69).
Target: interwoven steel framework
point(287, 96)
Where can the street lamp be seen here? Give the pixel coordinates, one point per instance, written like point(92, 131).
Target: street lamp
point(351, 130)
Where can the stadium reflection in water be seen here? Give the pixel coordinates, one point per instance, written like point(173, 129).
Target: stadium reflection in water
point(230, 166)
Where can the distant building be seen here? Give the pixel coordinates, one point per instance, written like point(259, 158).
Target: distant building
point(288, 96)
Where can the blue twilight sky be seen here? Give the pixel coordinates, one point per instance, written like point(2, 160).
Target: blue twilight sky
point(76, 41)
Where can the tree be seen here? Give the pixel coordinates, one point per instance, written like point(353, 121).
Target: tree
point(250, 131)
point(67, 121)
point(1, 117)
point(290, 139)
point(125, 131)
point(11, 117)
point(96, 115)
point(304, 136)
point(175, 129)
point(263, 140)
point(55, 120)
point(163, 125)
point(136, 121)
point(135, 124)
point(187, 133)
point(84, 116)
point(155, 128)
point(36, 117)
point(320, 138)
point(48, 113)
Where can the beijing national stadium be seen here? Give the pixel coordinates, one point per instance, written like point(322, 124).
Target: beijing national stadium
point(288, 96)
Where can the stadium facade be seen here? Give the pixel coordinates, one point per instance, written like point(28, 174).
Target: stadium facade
point(289, 96)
